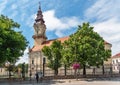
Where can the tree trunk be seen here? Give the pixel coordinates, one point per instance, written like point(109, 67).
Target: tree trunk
point(103, 71)
point(9, 74)
point(56, 72)
point(111, 72)
point(65, 69)
point(84, 70)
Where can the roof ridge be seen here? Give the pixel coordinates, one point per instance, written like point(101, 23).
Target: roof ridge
point(116, 55)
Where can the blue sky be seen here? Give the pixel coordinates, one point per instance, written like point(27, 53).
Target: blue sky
point(63, 16)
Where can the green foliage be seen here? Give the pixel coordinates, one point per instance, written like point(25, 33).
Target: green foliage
point(12, 43)
point(14, 68)
point(86, 47)
point(6, 23)
point(53, 54)
point(66, 54)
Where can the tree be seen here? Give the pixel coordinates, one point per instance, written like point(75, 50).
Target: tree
point(12, 43)
point(22, 66)
point(53, 54)
point(87, 47)
point(66, 56)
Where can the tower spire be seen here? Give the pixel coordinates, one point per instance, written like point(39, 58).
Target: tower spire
point(39, 15)
point(39, 28)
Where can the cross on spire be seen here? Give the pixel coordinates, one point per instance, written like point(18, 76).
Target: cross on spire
point(39, 5)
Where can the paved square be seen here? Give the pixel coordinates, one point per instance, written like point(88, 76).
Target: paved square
point(103, 81)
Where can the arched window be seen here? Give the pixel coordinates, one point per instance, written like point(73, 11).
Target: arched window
point(32, 61)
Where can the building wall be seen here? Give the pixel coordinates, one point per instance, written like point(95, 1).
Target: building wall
point(109, 61)
point(35, 63)
point(116, 64)
point(108, 46)
point(3, 71)
point(38, 41)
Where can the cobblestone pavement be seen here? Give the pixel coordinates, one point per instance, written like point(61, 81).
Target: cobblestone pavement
point(90, 81)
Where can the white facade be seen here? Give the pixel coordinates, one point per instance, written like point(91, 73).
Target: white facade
point(116, 64)
point(3, 71)
point(36, 57)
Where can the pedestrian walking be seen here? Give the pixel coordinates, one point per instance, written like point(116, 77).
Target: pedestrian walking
point(37, 77)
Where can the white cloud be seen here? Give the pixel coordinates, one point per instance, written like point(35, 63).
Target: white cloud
point(55, 24)
point(24, 58)
point(110, 31)
point(3, 5)
point(59, 33)
point(107, 24)
point(104, 9)
point(14, 6)
point(59, 24)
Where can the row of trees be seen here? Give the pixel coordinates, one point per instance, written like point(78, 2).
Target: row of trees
point(85, 47)
point(12, 42)
point(17, 70)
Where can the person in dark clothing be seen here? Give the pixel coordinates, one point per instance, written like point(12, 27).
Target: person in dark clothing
point(37, 77)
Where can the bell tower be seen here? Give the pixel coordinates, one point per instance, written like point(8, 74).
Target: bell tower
point(39, 28)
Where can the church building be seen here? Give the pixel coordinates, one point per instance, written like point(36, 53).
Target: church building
point(36, 56)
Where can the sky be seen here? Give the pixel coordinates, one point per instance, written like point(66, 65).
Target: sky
point(62, 18)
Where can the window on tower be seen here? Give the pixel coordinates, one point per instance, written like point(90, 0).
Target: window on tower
point(32, 61)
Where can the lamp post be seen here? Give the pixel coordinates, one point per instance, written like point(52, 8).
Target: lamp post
point(44, 60)
point(30, 74)
point(23, 71)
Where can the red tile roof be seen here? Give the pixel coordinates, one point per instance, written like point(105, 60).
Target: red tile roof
point(106, 43)
point(49, 42)
point(116, 56)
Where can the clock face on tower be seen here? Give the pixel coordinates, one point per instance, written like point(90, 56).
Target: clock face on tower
point(39, 28)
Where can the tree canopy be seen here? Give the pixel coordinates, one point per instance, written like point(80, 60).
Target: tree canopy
point(12, 43)
point(53, 54)
point(86, 47)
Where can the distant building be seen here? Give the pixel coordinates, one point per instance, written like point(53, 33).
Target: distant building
point(116, 62)
point(40, 40)
point(3, 71)
point(108, 47)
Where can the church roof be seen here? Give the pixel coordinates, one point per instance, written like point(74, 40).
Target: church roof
point(49, 42)
point(116, 56)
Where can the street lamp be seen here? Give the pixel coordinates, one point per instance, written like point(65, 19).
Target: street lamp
point(23, 70)
point(30, 72)
point(44, 61)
